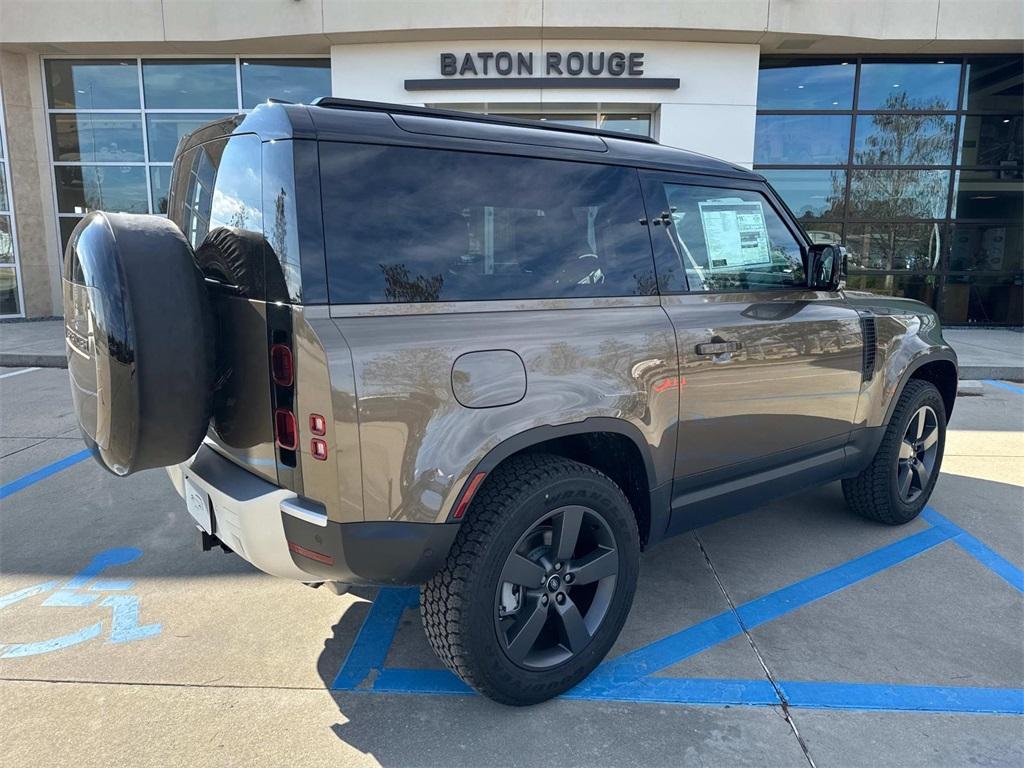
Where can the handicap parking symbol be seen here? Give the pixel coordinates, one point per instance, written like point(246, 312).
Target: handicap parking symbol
point(81, 591)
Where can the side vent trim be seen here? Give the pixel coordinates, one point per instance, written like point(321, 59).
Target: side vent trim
point(867, 368)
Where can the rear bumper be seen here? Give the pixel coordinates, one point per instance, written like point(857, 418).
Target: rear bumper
point(285, 535)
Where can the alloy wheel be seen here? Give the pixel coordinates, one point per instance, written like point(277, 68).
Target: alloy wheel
point(555, 587)
point(918, 450)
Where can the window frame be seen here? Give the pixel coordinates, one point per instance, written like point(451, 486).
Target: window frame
point(142, 111)
point(5, 169)
point(653, 186)
point(948, 219)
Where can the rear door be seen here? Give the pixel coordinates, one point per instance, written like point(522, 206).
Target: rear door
point(770, 370)
point(217, 188)
point(485, 295)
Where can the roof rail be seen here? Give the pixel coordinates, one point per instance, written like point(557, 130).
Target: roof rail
point(332, 102)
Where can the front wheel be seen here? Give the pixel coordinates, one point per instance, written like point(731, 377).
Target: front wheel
point(897, 483)
point(538, 583)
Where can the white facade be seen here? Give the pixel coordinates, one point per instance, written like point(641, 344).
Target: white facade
point(712, 111)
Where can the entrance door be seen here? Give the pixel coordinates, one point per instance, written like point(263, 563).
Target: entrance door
point(770, 370)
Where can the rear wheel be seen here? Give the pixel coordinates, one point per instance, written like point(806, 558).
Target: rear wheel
point(897, 483)
point(538, 583)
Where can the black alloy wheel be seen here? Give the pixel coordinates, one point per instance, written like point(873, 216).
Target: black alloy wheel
point(917, 454)
point(555, 588)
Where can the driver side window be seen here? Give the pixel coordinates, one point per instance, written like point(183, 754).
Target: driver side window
point(731, 240)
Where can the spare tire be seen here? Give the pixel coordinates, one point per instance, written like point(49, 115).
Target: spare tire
point(139, 341)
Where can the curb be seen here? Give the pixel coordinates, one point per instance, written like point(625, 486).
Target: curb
point(32, 360)
point(998, 372)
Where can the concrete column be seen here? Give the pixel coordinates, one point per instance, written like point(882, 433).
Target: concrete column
point(32, 194)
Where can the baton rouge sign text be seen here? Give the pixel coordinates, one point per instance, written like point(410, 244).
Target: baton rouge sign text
point(573, 63)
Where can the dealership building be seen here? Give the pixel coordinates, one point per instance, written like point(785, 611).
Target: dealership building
point(893, 126)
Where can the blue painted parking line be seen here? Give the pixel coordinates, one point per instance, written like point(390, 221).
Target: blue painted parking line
point(375, 637)
point(904, 698)
point(979, 551)
point(1004, 385)
point(820, 695)
point(693, 640)
point(32, 478)
point(628, 678)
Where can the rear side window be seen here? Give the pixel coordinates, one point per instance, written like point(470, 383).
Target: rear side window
point(422, 225)
point(731, 240)
point(218, 184)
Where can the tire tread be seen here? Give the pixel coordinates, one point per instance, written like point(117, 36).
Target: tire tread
point(445, 598)
point(869, 494)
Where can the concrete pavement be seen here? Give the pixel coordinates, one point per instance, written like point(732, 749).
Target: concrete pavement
point(200, 660)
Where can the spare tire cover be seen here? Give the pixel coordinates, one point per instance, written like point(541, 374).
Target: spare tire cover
point(138, 332)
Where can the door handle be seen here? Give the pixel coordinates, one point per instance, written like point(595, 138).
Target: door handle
point(718, 347)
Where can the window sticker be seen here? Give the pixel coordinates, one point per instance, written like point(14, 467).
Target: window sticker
point(735, 233)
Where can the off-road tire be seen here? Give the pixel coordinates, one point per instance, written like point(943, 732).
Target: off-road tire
point(457, 604)
point(873, 493)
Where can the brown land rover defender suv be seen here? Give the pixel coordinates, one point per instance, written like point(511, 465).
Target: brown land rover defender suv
point(377, 344)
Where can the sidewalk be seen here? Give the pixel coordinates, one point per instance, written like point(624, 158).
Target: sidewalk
point(32, 343)
point(983, 353)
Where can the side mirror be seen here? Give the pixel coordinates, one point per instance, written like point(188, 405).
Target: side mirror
point(826, 267)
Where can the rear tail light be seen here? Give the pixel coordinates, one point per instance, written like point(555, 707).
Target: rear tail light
point(286, 432)
point(281, 365)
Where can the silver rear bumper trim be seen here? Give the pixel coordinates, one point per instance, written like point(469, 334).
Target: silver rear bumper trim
point(305, 511)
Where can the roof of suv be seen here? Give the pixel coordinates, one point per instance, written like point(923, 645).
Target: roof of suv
point(372, 122)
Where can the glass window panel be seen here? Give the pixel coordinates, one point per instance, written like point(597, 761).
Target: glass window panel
point(913, 247)
point(992, 140)
point(731, 239)
point(803, 84)
point(995, 84)
point(190, 84)
point(986, 248)
point(9, 292)
point(983, 299)
point(90, 137)
point(160, 183)
point(638, 124)
point(920, 287)
point(825, 232)
point(6, 241)
point(802, 139)
point(904, 140)
point(191, 204)
point(434, 225)
point(899, 194)
point(67, 226)
point(909, 85)
point(811, 195)
point(164, 130)
point(989, 195)
point(5, 204)
point(296, 80)
point(84, 188)
point(238, 189)
point(95, 84)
